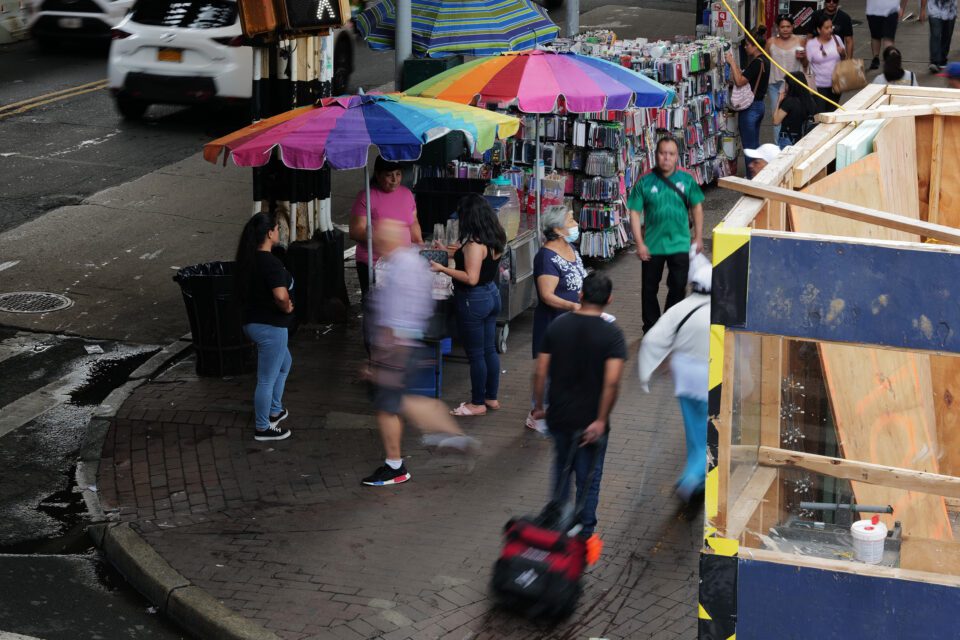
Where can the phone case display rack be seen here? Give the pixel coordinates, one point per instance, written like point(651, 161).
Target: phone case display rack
point(591, 160)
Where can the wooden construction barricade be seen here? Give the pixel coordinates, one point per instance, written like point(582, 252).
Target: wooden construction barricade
point(835, 382)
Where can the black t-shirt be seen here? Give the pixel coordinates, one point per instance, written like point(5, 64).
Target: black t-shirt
point(259, 305)
point(579, 347)
point(797, 114)
point(757, 74)
point(842, 24)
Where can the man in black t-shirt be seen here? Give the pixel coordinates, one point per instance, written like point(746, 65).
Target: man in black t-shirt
point(582, 354)
point(842, 24)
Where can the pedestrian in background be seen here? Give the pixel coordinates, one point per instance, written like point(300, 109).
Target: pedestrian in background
point(558, 272)
point(757, 75)
point(824, 52)
point(893, 71)
point(786, 49)
point(883, 17)
point(661, 205)
point(401, 305)
point(760, 157)
point(683, 333)
point(952, 74)
point(476, 294)
point(263, 288)
point(942, 15)
point(582, 354)
point(795, 110)
point(842, 24)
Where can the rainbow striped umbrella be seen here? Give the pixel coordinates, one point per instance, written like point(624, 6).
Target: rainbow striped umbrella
point(534, 81)
point(341, 131)
point(470, 27)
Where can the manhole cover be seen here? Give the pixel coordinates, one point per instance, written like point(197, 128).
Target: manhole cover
point(33, 302)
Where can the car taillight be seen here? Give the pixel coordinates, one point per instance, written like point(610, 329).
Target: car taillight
point(119, 34)
point(235, 41)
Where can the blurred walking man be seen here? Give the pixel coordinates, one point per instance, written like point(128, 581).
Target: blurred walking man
point(402, 305)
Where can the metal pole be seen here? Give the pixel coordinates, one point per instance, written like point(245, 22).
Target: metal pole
point(537, 169)
point(256, 107)
point(402, 40)
point(366, 185)
point(572, 18)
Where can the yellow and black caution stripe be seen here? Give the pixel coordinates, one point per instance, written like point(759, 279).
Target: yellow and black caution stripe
point(717, 609)
point(15, 108)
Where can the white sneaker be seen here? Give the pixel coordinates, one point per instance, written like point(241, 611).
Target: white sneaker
point(540, 426)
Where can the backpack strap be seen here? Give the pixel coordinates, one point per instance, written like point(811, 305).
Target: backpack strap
point(676, 331)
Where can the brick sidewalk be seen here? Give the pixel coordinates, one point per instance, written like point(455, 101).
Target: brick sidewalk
point(284, 534)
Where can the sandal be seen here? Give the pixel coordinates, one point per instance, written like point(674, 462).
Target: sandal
point(464, 410)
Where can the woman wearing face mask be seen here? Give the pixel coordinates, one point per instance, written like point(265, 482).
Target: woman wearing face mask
point(558, 272)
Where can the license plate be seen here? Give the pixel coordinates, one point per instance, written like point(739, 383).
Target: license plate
point(70, 23)
point(169, 55)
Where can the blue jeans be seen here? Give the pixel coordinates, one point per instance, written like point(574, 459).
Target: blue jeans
point(582, 461)
point(773, 96)
point(477, 309)
point(273, 365)
point(695, 427)
point(749, 122)
point(941, 32)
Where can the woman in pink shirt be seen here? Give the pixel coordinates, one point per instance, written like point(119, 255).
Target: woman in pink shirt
point(824, 51)
point(389, 200)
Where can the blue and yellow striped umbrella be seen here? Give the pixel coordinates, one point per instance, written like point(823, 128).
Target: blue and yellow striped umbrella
point(469, 27)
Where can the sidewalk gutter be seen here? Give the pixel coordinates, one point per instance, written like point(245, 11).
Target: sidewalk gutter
point(192, 608)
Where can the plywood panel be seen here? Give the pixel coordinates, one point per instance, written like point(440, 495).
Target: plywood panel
point(896, 146)
point(945, 372)
point(949, 197)
point(882, 400)
point(935, 556)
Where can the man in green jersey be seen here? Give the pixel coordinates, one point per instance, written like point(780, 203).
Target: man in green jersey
point(665, 199)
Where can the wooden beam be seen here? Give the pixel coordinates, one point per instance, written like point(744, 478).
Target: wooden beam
point(940, 93)
point(724, 424)
point(843, 209)
point(906, 479)
point(749, 500)
point(908, 100)
point(882, 113)
point(844, 566)
point(936, 171)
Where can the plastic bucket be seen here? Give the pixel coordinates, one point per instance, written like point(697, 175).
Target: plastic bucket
point(868, 540)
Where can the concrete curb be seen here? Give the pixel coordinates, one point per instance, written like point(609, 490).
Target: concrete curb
point(192, 608)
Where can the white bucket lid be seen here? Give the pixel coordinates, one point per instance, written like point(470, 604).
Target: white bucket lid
point(868, 530)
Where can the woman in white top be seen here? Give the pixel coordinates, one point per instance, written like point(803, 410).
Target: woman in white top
point(824, 51)
point(786, 50)
point(893, 71)
point(882, 17)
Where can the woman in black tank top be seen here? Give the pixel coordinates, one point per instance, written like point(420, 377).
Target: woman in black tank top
point(477, 297)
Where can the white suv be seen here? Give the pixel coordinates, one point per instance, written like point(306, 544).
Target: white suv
point(54, 21)
point(178, 52)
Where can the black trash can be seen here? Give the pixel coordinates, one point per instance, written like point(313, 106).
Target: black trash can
point(214, 312)
point(320, 291)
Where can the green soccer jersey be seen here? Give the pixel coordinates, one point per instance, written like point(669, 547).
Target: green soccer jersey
point(667, 223)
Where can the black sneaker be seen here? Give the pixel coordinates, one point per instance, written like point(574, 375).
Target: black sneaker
point(384, 476)
point(875, 63)
point(280, 417)
point(273, 432)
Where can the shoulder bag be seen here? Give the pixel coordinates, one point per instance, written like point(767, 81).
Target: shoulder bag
point(741, 97)
point(848, 74)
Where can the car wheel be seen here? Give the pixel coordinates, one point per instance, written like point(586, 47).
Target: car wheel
point(131, 108)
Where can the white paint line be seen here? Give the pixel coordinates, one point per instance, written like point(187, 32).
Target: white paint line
point(8, 264)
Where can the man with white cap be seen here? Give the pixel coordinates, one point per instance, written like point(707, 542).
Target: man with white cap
point(684, 331)
point(761, 156)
